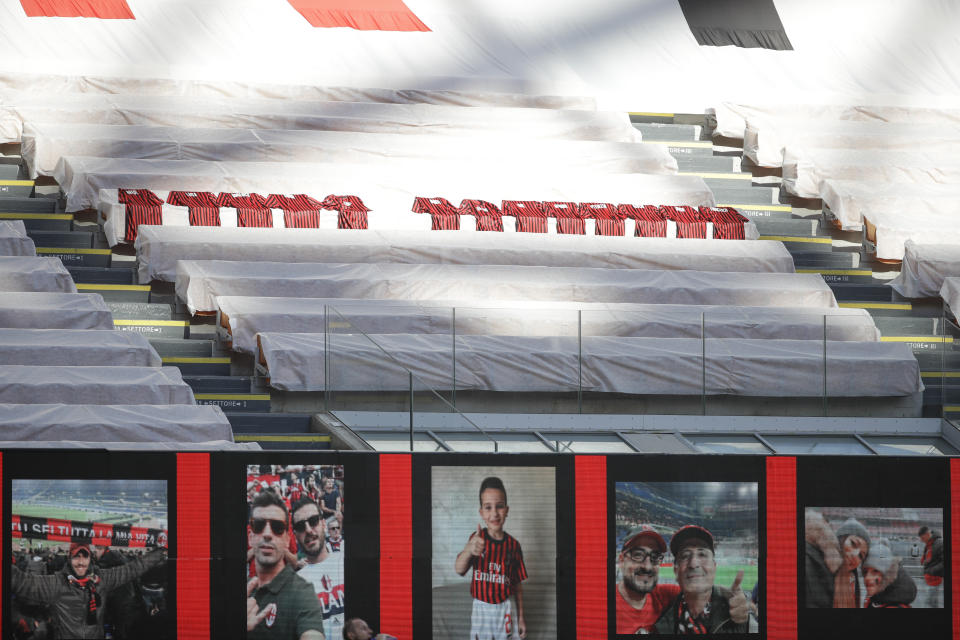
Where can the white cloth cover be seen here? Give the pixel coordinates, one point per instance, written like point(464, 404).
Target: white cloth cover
point(199, 282)
point(249, 316)
point(39, 310)
point(805, 168)
point(385, 187)
point(302, 114)
point(30, 273)
point(764, 140)
point(848, 200)
point(646, 366)
point(950, 292)
point(76, 347)
point(892, 230)
point(159, 249)
point(734, 119)
point(114, 423)
point(925, 267)
point(44, 144)
point(14, 240)
point(859, 51)
point(21, 384)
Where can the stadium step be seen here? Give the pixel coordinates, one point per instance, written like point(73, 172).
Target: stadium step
point(881, 308)
point(856, 292)
point(73, 239)
point(705, 163)
point(758, 211)
point(116, 292)
point(907, 326)
point(151, 320)
point(9, 171)
point(744, 194)
point(803, 244)
point(849, 276)
point(79, 257)
point(662, 131)
point(39, 221)
point(220, 384)
point(15, 189)
point(780, 227)
point(182, 348)
point(825, 260)
point(199, 365)
point(29, 205)
point(277, 430)
point(687, 148)
point(102, 275)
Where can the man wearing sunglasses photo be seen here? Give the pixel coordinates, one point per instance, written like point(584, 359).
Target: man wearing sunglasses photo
point(319, 565)
point(640, 600)
point(280, 604)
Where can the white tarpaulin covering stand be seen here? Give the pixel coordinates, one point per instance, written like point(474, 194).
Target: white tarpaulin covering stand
point(384, 187)
point(925, 267)
point(199, 282)
point(54, 311)
point(159, 249)
point(76, 347)
point(890, 231)
point(849, 200)
point(764, 141)
point(114, 423)
point(93, 385)
point(14, 240)
point(645, 366)
point(30, 273)
point(804, 169)
point(44, 144)
point(950, 292)
point(246, 317)
point(261, 113)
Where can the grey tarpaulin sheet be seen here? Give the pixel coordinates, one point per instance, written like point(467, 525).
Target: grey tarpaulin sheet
point(41, 310)
point(214, 445)
point(849, 200)
point(318, 115)
point(805, 168)
point(950, 292)
point(385, 186)
point(44, 144)
point(114, 423)
point(76, 347)
point(924, 268)
point(159, 249)
point(30, 273)
point(93, 385)
point(647, 366)
point(249, 316)
point(14, 240)
point(199, 282)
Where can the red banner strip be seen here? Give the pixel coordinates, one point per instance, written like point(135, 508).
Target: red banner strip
point(781, 573)
point(955, 544)
point(193, 546)
point(104, 9)
point(591, 557)
point(396, 545)
point(363, 15)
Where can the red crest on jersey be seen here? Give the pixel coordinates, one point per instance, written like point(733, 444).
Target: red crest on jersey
point(272, 616)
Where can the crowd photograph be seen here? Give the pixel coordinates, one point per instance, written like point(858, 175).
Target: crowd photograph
point(686, 558)
point(873, 558)
point(89, 560)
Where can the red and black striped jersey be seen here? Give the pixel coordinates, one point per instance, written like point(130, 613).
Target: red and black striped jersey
point(204, 216)
point(611, 227)
point(241, 200)
point(292, 202)
point(561, 209)
point(138, 214)
point(350, 218)
point(728, 223)
point(651, 222)
point(527, 224)
point(301, 219)
point(598, 210)
point(690, 224)
point(192, 199)
point(487, 222)
point(433, 206)
point(478, 208)
point(344, 203)
point(257, 217)
point(523, 209)
point(138, 196)
point(445, 221)
point(498, 571)
point(573, 226)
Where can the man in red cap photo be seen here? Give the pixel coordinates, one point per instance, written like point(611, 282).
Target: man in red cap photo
point(77, 594)
point(702, 607)
point(640, 600)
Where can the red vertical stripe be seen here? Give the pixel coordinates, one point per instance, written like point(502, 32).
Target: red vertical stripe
point(781, 573)
point(955, 544)
point(364, 15)
point(108, 9)
point(193, 546)
point(591, 557)
point(396, 545)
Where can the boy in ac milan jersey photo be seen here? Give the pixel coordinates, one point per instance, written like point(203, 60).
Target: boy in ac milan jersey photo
point(498, 570)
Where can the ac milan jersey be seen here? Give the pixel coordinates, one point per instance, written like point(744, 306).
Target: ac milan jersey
point(327, 580)
point(436, 205)
point(690, 224)
point(254, 217)
point(241, 200)
point(138, 196)
point(204, 216)
point(192, 199)
point(292, 202)
point(498, 570)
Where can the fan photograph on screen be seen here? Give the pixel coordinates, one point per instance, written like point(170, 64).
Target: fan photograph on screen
point(494, 552)
point(687, 558)
point(873, 557)
point(295, 551)
point(89, 559)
